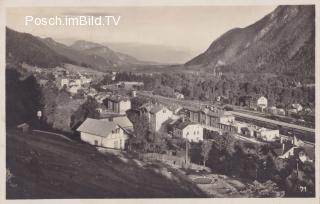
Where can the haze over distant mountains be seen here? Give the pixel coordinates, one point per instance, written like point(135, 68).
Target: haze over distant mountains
point(281, 42)
point(154, 53)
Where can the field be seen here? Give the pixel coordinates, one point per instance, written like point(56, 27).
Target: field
point(45, 166)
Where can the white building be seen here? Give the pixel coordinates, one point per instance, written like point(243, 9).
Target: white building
point(178, 95)
point(64, 82)
point(158, 115)
point(122, 121)
point(75, 82)
point(297, 106)
point(262, 103)
point(74, 89)
point(258, 103)
point(103, 133)
point(193, 132)
point(267, 135)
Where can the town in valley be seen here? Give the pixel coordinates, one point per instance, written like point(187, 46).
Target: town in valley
point(84, 121)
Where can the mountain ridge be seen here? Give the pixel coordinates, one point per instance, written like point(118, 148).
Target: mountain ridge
point(281, 42)
point(46, 52)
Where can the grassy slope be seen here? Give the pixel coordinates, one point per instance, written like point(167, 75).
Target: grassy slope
point(45, 166)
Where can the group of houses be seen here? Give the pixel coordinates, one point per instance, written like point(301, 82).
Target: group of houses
point(260, 103)
point(73, 84)
point(188, 123)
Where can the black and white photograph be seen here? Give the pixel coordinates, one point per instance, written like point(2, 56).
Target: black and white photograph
point(132, 101)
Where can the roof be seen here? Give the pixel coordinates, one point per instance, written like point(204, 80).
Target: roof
point(122, 121)
point(156, 109)
point(117, 98)
point(100, 128)
point(182, 124)
point(23, 125)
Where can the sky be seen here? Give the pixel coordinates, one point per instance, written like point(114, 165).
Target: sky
point(192, 28)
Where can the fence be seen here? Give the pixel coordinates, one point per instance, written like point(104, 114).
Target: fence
point(175, 161)
point(52, 133)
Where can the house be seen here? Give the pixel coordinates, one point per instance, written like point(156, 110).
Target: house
point(216, 118)
point(122, 121)
point(292, 112)
point(258, 103)
point(178, 95)
point(101, 96)
point(24, 127)
point(272, 110)
point(297, 152)
point(63, 82)
point(134, 93)
point(240, 127)
point(74, 89)
point(91, 92)
point(117, 104)
point(75, 82)
point(267, 135)
point(43, 82)
point(297, 106)
point(191, 131)
point(103, 133)
point(295, 148)
point(281, 111)
point(158, 115)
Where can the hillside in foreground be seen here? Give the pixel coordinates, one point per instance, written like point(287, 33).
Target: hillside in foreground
point(45, 166)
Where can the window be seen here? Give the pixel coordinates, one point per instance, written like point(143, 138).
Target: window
point(96, 142)
point(115, 145)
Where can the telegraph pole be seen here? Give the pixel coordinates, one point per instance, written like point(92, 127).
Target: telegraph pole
point(187, 150)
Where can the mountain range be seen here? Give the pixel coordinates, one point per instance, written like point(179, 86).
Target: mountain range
point(46, 52)
point(281, 42)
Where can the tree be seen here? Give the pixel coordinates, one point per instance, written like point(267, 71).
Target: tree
point(205, 150)
point(86, 110)
point(23, 98)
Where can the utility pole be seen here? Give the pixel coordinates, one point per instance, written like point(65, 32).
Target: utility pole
point(187, 150)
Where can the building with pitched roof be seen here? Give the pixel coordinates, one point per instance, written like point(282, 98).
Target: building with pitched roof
point(103, 133)
point(117, 104)
point(191, 131)
point(158, 115)
point(216, 118)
